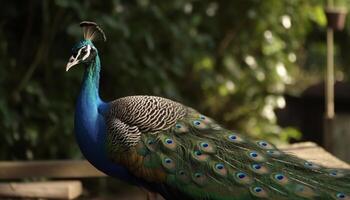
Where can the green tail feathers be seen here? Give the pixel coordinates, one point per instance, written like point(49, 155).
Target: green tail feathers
point(206, 161)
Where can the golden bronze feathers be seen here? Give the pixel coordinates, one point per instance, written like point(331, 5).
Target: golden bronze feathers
point(91, 29)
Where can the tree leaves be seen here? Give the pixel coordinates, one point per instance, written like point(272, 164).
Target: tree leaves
point(223, 57)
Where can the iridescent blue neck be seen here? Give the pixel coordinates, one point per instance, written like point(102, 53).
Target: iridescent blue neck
point(91, 82)
point(90, 127)
point(87, 109)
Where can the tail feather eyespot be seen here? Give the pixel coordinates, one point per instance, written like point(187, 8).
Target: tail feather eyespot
point(336, 173)
point(198, 124)
point(311, 165)
point(206, 147)
point(280, 178)
point(259, 168)
point(341, 196)
point(200, 156)
point(273, 153)
point(169, 143)
point(151, 144)
point(168, 163)
point(220, 169)
point(182, 176)
point(242, 178)
point(180, 128)
point(205, 119)
point(255, 156)
point(199, 178)
point(258, 191)
point(234, 138)
point(264, 145)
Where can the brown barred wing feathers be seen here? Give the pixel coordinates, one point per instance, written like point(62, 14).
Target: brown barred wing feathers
point(128, 117)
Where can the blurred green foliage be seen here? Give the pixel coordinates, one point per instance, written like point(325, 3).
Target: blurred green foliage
point(232, 60)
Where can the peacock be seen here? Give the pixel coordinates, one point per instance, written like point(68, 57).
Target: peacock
point(171, 149)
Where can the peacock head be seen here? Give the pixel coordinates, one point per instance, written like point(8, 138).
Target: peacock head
point(85, 51)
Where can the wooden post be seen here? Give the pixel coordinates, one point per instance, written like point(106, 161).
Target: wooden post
point(330, 75)
point(329, 88)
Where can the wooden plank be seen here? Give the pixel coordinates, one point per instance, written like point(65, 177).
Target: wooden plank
point(48, 169)
point(47, 190)
point(83, 169)
point(314, 153)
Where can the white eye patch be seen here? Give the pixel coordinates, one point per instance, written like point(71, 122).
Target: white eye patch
point(85, 52)
point(87, 49)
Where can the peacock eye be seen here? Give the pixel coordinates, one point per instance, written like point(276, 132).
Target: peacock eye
point(198, 153)
point(83, 51)
point(258, 189)
point(219, 166)
point(311, 165)
point(204, 145)
point(241, 175)
point(169, 141)
point(232, 137)
point(256, 166)
point(333, 173)
point(264, 145)
point(196, 122)
point(341, 195)
point(279, 177)
point(253, 154)
point(197, 175)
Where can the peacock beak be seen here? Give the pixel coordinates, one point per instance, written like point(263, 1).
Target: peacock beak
point(72, 61)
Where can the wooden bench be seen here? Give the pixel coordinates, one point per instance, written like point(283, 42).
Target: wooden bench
point(74, 169)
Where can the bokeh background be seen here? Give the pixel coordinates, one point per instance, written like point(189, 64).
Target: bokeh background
point(242, 62)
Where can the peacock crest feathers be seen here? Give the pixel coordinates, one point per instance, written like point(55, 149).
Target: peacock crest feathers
point(91, 30)
point(206, 161)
